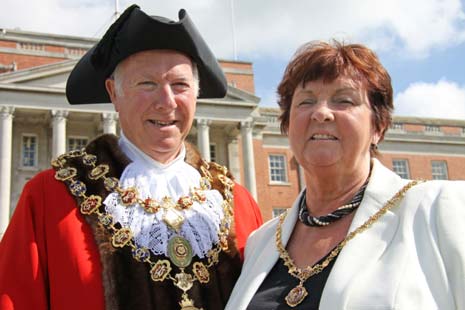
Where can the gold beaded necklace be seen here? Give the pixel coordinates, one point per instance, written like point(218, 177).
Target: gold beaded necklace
point(298, 293)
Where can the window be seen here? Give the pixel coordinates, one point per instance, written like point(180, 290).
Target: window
point(400, 166)
point(277, 168)
point(76, 143)
point(432, 129)
point(278, 211)
point(213, 152)
point(439, 170)
point(29, 151)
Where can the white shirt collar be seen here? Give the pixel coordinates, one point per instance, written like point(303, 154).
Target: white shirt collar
point(138, 157)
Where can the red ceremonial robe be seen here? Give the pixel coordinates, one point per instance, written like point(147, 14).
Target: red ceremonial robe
point(49, 257)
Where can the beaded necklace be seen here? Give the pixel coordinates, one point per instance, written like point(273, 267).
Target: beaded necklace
point(325, 220)
point(299, 293)
point(179, 249)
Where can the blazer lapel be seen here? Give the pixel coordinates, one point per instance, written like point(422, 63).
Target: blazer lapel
point(365, 248)
point(261, 260)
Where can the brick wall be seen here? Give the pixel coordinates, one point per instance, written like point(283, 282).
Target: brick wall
point(449, 130)
point(414, 128)
point(7, 44)
point(274, 195)
point(240, 80)
point(27, 61)
point(420, 165)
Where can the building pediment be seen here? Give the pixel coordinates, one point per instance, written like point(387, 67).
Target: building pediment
point(50, 75)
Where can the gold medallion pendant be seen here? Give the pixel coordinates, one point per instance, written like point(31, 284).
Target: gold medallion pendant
point(296, 295)
point(180, 251)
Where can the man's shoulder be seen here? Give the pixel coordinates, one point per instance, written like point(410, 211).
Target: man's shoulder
point(43, 179)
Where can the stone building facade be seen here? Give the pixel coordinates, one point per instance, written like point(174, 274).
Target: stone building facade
point(37, 124)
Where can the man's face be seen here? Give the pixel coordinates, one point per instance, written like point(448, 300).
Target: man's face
point(155, 94)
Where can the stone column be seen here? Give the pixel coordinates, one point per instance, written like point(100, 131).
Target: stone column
point(109, 122)
point(6, 138)
point(248, 157)
point(234, 164)
point(59, 118)
point(203, 137)
point(301, 173)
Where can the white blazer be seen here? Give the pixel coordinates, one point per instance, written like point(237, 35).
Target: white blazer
point(413, 257)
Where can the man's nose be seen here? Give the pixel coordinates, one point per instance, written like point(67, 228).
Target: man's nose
point(165, 98)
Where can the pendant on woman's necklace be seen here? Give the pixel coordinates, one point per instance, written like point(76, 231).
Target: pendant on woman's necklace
point(296, 295)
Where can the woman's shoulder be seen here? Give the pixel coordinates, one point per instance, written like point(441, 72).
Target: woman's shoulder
point(440, 188)
point(438, 199)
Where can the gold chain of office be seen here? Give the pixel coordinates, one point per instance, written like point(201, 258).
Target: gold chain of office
point(299, 293)
point(179, 249)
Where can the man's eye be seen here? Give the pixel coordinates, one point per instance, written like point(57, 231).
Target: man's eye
point(146, 83)
point(181, 85)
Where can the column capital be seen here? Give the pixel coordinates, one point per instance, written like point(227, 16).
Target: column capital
point(59, 114)
point(247, 124)
point(110, 116)
point(203, 122)
point(6, 111)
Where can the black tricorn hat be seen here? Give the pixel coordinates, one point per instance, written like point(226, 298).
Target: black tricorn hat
point(133, 32)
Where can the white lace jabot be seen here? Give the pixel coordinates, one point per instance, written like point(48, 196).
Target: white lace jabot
point(156, 180)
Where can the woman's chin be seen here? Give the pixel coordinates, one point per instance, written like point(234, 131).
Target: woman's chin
point(323, 159)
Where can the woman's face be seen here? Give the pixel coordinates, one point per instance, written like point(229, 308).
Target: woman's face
point(331, 125)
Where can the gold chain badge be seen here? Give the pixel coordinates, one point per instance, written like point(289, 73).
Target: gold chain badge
point(179, 249)
point(299, 293)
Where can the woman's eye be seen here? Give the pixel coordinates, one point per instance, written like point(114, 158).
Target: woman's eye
point(307, 101)
point(345, 101)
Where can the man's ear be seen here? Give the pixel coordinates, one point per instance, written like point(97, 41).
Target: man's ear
point(111, 90)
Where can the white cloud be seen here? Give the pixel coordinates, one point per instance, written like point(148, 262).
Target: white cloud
point(443, 99)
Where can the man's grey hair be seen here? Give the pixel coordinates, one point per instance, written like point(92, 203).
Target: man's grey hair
point(116, 76)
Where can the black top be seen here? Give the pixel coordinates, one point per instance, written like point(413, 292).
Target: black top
point(274, 289)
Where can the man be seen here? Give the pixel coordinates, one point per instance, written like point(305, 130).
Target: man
point(140, 222)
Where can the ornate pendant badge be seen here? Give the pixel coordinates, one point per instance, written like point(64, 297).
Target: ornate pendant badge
point(296, 296)
point(180, 251)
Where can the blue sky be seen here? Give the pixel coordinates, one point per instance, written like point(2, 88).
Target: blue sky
point(420, 42)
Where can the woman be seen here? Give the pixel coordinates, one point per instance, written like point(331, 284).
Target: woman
point(359, 236)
